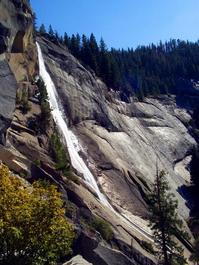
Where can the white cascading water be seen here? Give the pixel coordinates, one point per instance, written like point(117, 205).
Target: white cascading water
point(69, 137)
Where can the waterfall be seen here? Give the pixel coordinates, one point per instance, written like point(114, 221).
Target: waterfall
point(69, 137)
point(73, 146)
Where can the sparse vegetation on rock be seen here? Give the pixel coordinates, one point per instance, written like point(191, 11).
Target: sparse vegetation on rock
point(44, 120)
point(22, 101)
point(103, 227)
point(59, 154)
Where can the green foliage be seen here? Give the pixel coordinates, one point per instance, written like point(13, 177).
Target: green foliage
point(45, 107)
point(165, 68)
point(165, 223)
point(147, 70)
point(22, 100)
point(33, 227)
point(103, 228)
point(71, 210)
point(37, 162)
point(59, 154)
point(45, 115)
point(147, 246)
point(43, 95)
point(51, 31)
point(42, 29)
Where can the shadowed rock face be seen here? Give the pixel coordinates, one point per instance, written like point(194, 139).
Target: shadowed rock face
point(16, 25)
point(8, 86)
point(15, 35)
point(123, 141)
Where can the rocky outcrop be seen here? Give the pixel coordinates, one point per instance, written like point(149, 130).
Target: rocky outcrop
point(15, 26)
point(15, 39)
point(77, 260)
point(100, 253)
point(18, 63)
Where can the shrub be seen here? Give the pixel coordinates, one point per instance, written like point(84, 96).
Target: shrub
point(45, 106)
point(103, 228)
point(45, 115)
point(22, 100)
point(147, 246)
point(33, 227)
point(59, 154)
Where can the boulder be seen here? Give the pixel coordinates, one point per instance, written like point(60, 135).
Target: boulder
point(77, 260)
point(99, 253)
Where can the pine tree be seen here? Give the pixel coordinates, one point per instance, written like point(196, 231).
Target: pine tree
point(75, 45)
point(42, 29)
point(94, 51)
point(34, 22)
point(165, 223)
point(102, 47)
point(57, 36)
point(51, 31)
point(66, 40)
point(85, 51)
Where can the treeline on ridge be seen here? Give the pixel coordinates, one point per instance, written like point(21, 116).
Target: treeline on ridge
point(146, 70)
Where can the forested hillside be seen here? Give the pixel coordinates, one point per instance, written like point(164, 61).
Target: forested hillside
point(146, 70)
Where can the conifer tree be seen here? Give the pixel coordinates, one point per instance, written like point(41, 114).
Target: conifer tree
point(102, 47)
point(42, 29)
point(85, 51)
point(57, 36)
point(75, 45)
point(66, 40)
point(94, 51)
point(165, 223)
point(34, 22)
point(51, 31)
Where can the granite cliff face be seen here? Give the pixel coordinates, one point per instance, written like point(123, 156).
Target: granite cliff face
point(18, 64)
point(124, 142)
point(15, 47)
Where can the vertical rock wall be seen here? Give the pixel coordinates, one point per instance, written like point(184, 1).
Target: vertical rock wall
point(16, 51)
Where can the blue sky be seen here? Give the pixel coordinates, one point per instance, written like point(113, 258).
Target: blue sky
point(122, 23)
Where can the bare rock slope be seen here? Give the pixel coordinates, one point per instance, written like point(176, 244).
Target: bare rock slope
point(124, 142)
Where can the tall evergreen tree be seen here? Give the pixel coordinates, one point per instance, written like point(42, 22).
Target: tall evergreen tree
point(103, 47)
point(85, 51)
point(42, 29)
point(57, 37)
point(34, 22)
point(66, 40)
point(51, 31)
point(94, 53)
point(165, 223)
point(75, 45)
